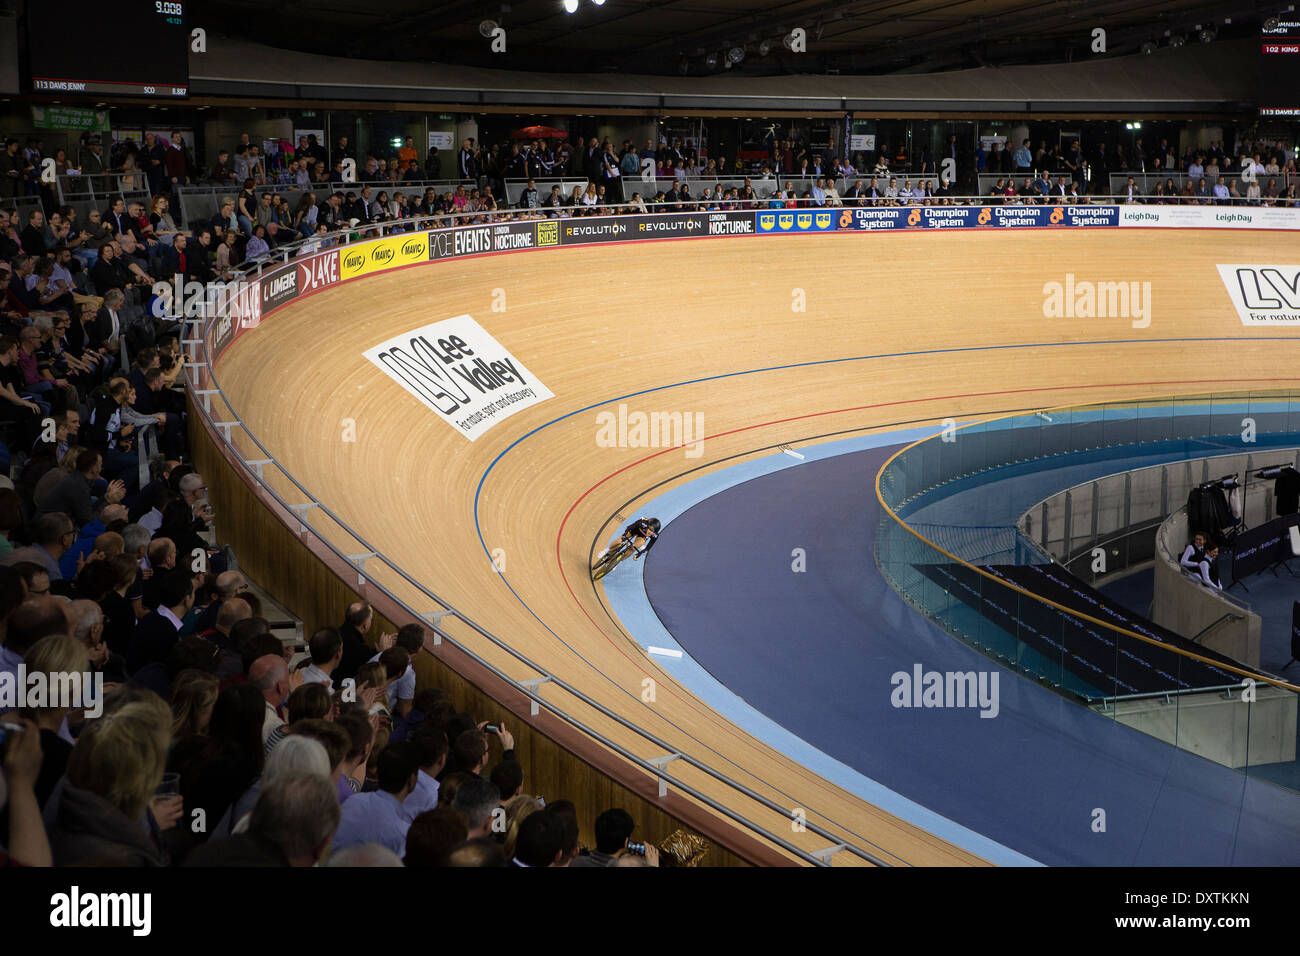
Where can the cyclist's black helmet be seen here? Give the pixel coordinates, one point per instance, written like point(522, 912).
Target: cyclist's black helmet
point(654, 523)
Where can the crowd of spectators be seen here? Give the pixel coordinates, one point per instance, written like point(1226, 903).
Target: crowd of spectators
point(306, 195)
point(209, 748)
point(1256, 173)
point(65, 313)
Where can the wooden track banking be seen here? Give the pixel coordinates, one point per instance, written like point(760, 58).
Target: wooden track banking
point(600, 322)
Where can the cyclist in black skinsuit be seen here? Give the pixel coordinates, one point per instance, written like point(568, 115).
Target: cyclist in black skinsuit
point(642, 530)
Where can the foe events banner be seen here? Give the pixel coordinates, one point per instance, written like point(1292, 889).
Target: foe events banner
point(458, 370)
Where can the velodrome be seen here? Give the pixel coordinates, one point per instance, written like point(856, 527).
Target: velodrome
point(913, 327)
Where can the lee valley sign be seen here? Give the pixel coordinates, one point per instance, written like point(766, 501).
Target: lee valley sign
point(459, 371)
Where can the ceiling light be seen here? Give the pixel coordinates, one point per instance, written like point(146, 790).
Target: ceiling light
point(764, 48)
point(1270, 24)
point(1177, 40)
point(599, 3)
point(1206, 35)
point(711, 61)
point(487, 28)
point(570, 6)
point(736, 54)
point(1149, 47)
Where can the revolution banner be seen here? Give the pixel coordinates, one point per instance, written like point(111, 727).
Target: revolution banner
point(669, 225)
point(456, 369)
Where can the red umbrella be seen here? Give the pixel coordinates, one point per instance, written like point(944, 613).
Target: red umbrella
point(539, 132)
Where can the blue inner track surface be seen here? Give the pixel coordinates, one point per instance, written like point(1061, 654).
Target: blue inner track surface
point(813, 653)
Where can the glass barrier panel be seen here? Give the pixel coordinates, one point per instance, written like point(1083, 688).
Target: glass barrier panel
point(1120, 425)
point(1169, 695)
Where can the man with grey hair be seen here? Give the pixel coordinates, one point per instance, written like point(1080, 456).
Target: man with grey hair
point(111, 317)
point(477, 799)
point(87, 624)
point(292, 824)
point(229, 584)
point(88, 627)
point(185, 520)
point(135, 540)
point(52, 534)
point(270, 675)
point(194, 492)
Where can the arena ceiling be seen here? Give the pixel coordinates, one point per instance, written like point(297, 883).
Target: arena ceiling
point(692, 37)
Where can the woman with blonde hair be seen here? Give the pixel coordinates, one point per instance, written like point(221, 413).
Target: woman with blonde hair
point(375, 674)
point(113, 773)
point(518, 809)
point(194, 693)
point(58, 657)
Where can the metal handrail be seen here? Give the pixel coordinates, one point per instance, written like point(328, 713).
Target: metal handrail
point(1152, 694)
point(641, 763)
point(1227, 616)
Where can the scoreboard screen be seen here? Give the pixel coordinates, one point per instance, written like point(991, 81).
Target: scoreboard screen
point(122, 47)
point(1279, 69)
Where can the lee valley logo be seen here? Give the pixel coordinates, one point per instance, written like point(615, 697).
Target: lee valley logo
point(461, 372)
point(77, 909)
point(1263, 295)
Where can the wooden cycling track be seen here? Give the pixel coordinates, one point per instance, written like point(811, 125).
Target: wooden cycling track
point(598, 323)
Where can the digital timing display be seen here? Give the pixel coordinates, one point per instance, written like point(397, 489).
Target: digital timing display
point(125, 47)
point(1279, 69)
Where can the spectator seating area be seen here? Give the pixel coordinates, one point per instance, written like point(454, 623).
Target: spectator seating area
point(205, 746)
